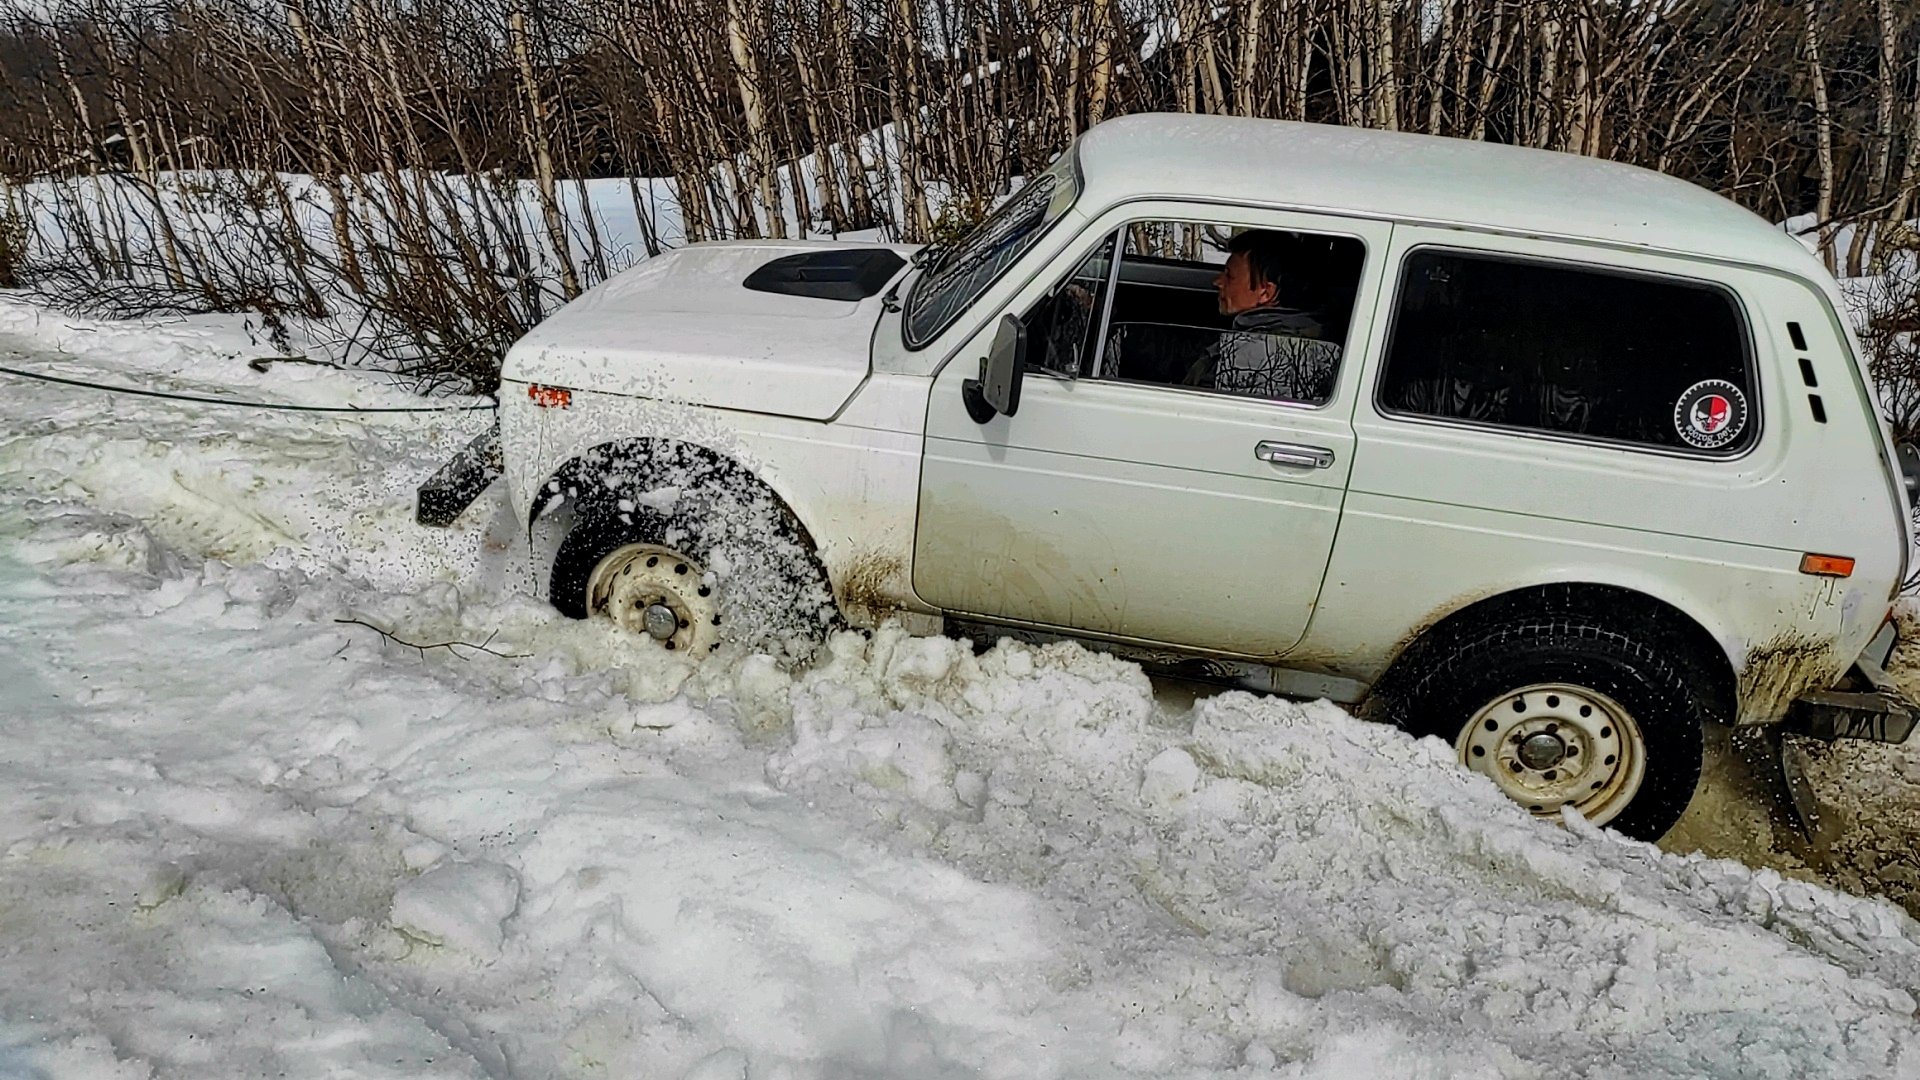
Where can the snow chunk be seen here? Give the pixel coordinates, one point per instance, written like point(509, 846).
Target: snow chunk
point(1169, 778)
point(460, 904)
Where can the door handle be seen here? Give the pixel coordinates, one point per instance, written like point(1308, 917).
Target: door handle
point(1298, 455)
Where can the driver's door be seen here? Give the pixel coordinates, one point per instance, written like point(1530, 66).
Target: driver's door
point(1139, 511)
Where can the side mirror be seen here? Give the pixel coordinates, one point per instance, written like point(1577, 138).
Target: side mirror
point(997, 390)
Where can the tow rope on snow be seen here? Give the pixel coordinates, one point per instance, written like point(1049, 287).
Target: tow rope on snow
point(198, 399)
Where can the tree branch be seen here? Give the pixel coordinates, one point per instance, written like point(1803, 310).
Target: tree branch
point(451, 646)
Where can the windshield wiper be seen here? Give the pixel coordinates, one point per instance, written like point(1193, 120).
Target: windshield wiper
point(927, 255)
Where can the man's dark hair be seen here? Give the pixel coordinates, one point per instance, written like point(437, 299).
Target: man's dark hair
point(1266, 254)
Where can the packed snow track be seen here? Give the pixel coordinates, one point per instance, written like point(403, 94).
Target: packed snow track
point(245, 831)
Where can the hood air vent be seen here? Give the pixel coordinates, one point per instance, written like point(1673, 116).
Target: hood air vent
point(830, 274)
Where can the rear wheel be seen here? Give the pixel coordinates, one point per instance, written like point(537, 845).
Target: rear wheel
point(1551, 745)
point(1564, 712)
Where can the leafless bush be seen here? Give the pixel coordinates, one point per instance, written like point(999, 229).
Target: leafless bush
point(1888, 309)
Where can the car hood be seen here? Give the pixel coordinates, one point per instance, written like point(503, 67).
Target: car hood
point(682, 326)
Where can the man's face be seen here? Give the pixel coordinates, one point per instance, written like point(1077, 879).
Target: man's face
point(1238, 293)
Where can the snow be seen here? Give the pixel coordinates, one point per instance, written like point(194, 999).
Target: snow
point(240, 837)
point(460, 904)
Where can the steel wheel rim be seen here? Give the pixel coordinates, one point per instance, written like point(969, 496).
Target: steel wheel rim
point(1602, 756)
point(637, 579)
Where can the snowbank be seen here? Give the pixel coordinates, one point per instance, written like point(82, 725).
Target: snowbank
point(239, 837)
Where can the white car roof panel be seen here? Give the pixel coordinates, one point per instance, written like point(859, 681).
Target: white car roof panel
point(1399, 176)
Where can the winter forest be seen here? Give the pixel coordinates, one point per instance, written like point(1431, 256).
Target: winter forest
point(428, 165)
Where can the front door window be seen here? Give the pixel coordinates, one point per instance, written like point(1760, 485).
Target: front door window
point(1259, 313)
point(1064, 328)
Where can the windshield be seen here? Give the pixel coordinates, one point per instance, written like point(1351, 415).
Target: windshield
point(956, 277)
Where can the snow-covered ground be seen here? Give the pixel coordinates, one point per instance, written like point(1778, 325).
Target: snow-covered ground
point(241, 837)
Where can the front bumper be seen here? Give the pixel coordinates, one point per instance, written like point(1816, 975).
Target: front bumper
point(448, 493)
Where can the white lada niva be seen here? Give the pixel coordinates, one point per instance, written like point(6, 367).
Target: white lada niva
point(1556, 459)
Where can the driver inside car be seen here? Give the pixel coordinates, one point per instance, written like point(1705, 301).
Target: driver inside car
point(1271, 350)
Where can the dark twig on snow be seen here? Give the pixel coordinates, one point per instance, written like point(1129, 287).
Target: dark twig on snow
point(453, 647)
point(261, 363)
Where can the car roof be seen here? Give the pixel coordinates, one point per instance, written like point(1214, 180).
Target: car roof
point(1423, 178)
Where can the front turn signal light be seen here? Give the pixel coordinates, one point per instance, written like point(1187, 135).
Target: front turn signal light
point(559, 397)
point(1826, 565)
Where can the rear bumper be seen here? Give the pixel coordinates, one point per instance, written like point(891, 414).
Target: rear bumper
point(1870, 715)
point(1867, 705)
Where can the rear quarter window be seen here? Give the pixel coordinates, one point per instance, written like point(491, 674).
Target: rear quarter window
point(1578, 351)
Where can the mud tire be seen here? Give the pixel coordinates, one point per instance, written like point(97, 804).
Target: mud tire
point(1661, 692)
point(772, 590)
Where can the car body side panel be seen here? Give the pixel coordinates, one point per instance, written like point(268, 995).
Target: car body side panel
point(1118, 548)
point(1402, 565)
point(853, 482)
point(1441, 514)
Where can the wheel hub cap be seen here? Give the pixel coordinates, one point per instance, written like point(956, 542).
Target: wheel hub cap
point(1543, 751)
point(660, 593)
point(660, 621)
point(1552, 745)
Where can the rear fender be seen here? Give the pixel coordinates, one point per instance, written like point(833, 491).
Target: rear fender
point(1748, 682)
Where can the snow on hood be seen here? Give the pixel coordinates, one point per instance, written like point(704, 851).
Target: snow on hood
point(683, 327)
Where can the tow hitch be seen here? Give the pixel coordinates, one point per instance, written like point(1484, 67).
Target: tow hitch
point(448, 493)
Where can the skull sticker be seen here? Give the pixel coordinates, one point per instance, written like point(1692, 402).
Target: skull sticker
point(1711, 414)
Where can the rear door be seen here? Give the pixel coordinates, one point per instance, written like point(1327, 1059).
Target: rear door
point(1125, 503)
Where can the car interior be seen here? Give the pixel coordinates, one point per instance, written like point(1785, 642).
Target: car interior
point(1165, 320)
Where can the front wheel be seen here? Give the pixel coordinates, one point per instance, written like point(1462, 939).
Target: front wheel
point(656, 591)
point(692, 580)
point(1565, 712)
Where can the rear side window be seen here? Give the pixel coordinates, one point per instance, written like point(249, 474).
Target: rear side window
point(1547, 347)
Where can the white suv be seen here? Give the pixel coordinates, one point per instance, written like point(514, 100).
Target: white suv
point(1553, 458)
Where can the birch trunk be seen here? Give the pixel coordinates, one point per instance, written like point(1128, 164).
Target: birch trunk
point(1243, 89)
point(1497, 49)
point(1823, 131)
point(534, 130)
point(1385, 80)
point(1863, 229)
point(1442, 55)
point(1100, 25)
point(746, 71)
point(1910, 165)
point(827, 185)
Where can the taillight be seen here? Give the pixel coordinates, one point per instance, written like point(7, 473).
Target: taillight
point(549, 397)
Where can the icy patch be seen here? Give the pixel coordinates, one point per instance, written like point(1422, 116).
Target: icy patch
point(113, 541)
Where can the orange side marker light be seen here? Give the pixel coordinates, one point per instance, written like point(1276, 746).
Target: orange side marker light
point(559, 397)
point(1826, 565)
